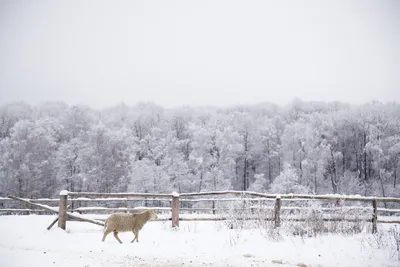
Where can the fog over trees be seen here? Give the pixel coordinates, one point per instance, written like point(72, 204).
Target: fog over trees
point(304, 147)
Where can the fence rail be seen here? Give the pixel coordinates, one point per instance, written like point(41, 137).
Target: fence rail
point(206, 201)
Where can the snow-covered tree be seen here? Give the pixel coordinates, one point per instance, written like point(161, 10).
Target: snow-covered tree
point(288, 182)
point(330, 147)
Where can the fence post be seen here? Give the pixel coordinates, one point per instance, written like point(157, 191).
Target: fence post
point(278, 211)
point(175, 204)
point(374, 216)
point(62, 209)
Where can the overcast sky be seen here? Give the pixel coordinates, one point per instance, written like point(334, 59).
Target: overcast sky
point(217, 52)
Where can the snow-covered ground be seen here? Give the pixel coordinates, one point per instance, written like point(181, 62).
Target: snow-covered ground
point(24, 241)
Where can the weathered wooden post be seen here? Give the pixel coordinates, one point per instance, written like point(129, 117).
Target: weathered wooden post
point(374, 216)
point(277, 210)
point(62, 210)
point(175, 204)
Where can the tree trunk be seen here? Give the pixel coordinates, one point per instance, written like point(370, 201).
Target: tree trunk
point(382, 187)
point(343, 159)
point(278, 139)
point(245, 175)
point(245, 168)
point(20, 194)
point(395, 177)
point(269, 170)
point(358, 166)
point(201, 180)
point(302, 156)
point(279, 162)
point(301, 169)
point(214, 182)
point(315, 180)
point(238, 176)
point(365, 158)
point(333, 175)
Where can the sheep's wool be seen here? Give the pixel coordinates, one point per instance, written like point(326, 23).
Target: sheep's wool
point(122, 222)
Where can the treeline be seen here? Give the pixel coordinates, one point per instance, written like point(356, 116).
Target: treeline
point(304, 147)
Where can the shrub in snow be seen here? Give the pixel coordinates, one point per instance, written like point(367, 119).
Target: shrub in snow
point(350, 184)
point(250, 214)
point(122, 222)
point(395, 234)
point(316, 220)
point(236, 215)
point(308, 220)
point(385, 239)
point(288, 182)
point(259, 183)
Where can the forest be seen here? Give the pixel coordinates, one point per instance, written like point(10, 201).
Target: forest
point(302, 147)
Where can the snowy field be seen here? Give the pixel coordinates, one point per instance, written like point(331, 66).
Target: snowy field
point(26, 242)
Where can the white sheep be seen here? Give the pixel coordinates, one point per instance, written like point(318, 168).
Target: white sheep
point(123, 222)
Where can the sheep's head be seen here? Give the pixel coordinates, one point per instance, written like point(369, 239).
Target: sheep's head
point(153, 215)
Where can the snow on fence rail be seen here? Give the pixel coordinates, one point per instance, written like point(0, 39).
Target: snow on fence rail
point(174, 203)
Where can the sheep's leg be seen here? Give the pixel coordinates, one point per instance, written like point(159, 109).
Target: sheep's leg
point(105, 234)
point(137, 236)
point(134, 238)
point(116, 236)
point(136, 233)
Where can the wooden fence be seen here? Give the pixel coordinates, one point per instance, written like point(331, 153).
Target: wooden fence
point(176, 204)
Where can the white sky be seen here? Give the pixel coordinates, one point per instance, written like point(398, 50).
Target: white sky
point(217, 52)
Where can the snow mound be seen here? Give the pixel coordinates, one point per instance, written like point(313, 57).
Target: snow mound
point(64, 193)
